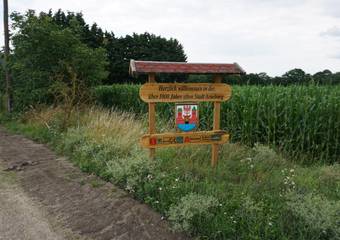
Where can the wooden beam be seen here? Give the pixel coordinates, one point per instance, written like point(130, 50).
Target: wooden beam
point(216, 126)
point(152, 116)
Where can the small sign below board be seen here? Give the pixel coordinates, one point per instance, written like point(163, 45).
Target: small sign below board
point(183, 139)
point(185, 92)
point(186, 117)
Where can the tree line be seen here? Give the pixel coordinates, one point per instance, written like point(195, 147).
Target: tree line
point(293, 77)
point(119, 50)
point(147, 46)
point(57, 56)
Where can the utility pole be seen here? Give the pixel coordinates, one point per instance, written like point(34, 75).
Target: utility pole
point(8, 77)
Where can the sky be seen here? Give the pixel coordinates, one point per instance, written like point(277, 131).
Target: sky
point(272, 36)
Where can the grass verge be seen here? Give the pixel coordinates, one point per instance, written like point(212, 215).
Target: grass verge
point(254, 193)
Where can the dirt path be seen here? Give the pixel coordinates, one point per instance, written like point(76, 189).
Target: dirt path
point(45, 197)
point(20, 218)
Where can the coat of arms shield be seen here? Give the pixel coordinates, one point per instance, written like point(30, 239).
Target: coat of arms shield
point(186, 117)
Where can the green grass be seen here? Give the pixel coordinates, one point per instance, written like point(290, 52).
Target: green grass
point(254, 193)
point(302, 122)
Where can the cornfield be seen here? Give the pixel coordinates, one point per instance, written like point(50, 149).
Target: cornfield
point(301, 121)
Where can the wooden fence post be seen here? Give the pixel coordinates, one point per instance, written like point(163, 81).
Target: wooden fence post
point(152, 116)
point(216, 126)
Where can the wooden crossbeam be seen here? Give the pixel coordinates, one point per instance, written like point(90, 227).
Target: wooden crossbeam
point(178, 139)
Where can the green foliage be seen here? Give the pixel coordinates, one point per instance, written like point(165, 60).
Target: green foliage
point(119, 50)
point(297, 76)
point(292, 77)
point(320, 216)
point(45, 53)
point(190, 208)
point(144, 46)
point(2, 85)
point(302, 121)
point(253, 193)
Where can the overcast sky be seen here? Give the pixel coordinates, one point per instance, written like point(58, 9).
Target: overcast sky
point(270, 36)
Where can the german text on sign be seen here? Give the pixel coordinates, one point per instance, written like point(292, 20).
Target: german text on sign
point(185, 92)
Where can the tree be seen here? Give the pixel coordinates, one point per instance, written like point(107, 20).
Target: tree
point(296, 76)
point(336, 78)
point(256, 79)
point(324, 77)
point(144, 46)
point(46, 53)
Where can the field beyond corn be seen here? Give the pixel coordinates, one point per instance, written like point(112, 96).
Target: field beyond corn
point(302, 122)
point(254, 193)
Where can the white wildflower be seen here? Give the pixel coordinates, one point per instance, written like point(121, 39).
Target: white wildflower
point(149, 177)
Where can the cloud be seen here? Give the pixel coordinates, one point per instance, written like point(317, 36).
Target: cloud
point(331, 8)
point(333, 32)
point(336, 56)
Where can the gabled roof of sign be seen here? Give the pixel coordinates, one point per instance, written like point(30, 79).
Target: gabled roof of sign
point(145, 67)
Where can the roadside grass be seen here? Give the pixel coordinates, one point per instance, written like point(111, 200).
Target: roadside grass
point(253, 193)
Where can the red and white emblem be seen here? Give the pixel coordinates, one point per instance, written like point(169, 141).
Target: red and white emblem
point(186, 117)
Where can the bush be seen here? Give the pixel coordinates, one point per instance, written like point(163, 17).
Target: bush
point(191, 207)
point(321, 217)
point(50, 64)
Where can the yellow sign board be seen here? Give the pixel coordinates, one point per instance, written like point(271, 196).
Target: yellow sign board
point(185, 92)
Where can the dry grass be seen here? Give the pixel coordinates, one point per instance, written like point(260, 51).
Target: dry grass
point(103, 126)
point(42, 116)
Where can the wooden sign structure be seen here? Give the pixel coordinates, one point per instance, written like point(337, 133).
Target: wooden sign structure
point(186, 94)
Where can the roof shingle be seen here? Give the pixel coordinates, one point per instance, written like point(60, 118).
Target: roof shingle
point(146, 67)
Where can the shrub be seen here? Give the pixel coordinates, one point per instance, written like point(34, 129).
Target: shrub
point(50, 63)
point(320, 216)
point(190, 208)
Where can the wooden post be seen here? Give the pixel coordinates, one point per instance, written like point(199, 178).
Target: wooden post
point(7, 75)
point(152, 116)
point(217, 116)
